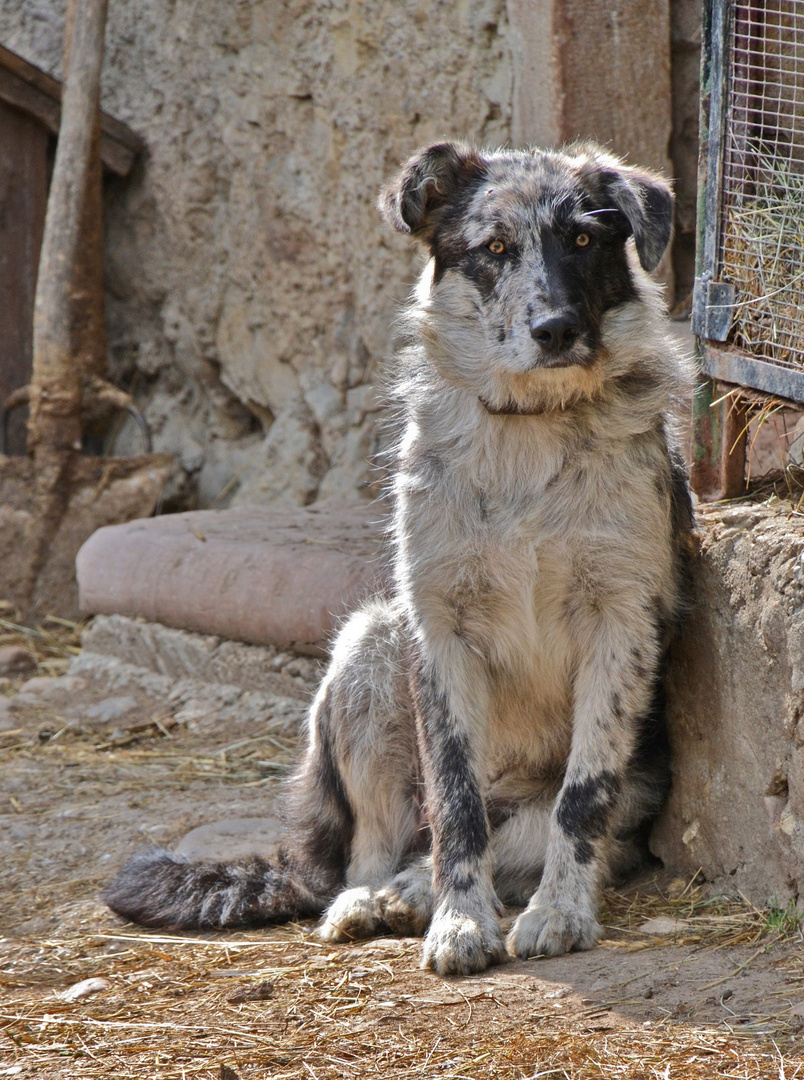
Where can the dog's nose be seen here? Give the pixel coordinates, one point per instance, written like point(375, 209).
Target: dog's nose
point(554, 332)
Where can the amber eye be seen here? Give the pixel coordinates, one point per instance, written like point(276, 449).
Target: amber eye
point(496, 247)
point(582, 239)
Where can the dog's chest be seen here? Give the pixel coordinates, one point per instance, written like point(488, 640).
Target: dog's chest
point(490, 561)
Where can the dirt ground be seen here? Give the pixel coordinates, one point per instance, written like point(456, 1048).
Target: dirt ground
point(683, 984)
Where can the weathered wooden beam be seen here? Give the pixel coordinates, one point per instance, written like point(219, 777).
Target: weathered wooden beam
point(38, 94)
point(23, 194)
point(730, 366)
point(720, 441)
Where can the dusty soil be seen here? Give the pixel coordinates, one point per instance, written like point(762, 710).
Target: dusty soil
point(709, 987)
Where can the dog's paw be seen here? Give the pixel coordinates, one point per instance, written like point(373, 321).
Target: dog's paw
point(545, 930)
point(352, 915)
point(406, 904)
point(458, 944)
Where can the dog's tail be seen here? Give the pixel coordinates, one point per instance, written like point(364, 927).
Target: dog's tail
point(157, 888)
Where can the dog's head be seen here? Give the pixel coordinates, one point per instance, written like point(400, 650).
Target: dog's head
point(529, 254)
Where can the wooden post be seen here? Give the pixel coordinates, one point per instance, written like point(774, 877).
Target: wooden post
point(706, 441)
point(23, 197)
point(733, 452)
point(87, 322)
point(720, 439)
point(54, 424)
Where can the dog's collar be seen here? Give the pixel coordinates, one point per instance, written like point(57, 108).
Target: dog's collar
point(511, 409)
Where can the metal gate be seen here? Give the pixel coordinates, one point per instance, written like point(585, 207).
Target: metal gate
point(748, 304)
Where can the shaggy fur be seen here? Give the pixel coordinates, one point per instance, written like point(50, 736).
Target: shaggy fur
point(493, 733)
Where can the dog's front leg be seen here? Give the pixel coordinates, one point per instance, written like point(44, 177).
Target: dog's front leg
point(612, 694)
point(452, 709)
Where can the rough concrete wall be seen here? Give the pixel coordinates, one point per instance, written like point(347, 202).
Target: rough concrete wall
point(250, 284)
point(736, 703)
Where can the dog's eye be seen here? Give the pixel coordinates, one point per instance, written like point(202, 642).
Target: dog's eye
point(496, 247)
point(582, 239)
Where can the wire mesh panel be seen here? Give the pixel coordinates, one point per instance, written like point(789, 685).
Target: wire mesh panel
point(761, 243)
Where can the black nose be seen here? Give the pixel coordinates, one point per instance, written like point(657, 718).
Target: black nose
point(554, 332)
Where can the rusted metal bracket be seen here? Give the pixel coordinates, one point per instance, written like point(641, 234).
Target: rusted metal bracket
point(712, 308)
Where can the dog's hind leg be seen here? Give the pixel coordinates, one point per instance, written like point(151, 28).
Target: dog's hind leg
point(349, 810)
point(369, 726)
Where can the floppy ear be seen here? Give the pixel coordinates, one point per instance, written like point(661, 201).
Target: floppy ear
point(428, 182)
point(646, 202)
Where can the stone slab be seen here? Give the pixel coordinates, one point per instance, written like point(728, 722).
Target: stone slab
point(736, 702)
point(283, 577)
point(180, 655)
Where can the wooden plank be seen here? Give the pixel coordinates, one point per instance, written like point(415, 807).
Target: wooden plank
point(23, 194)
point(707, 431)
point(38, 94)
point(741, 370)
point(734, 450)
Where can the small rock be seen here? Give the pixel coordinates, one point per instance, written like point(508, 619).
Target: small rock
point(21, 701)
point(7, 718)
point(111, 709)
point(47, 685)
point(14, 660)
point(84, 989)
point(262, 991)
point(662, 924)
point(39, 684)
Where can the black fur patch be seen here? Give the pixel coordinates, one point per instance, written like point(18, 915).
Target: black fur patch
point(584, 810)
point(429, 184)
point(455, 805)
point(317, 814)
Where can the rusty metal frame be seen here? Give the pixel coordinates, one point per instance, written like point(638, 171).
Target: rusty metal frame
point(719, 422)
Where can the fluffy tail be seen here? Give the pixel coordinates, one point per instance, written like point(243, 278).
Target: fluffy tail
point(157, 888)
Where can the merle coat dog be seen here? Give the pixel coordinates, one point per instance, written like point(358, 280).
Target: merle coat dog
point(493, 733)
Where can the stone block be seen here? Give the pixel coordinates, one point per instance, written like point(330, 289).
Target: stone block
point(176, 656)
point(736, 699)
point(268, 577)
point(15, 660)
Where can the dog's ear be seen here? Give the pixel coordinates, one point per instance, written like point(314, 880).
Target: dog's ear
point(427, 182)
point(645, 201)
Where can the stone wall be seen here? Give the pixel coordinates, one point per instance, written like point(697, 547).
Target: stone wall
point(250, 285)
point(736, 702)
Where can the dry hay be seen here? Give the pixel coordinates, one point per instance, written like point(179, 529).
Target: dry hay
point(53, 643)
point(758, 411)
point(141, 752)
point(764, 246)
point(280, 1004)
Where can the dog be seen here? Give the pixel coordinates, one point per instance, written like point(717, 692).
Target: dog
point(492, 732)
